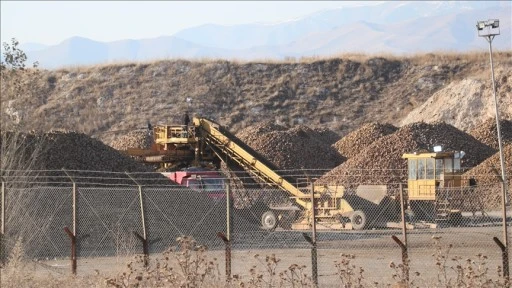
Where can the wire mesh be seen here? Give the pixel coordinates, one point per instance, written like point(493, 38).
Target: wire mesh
point(173, 213)
point(109, 216)
point(37, 217)
point(107, 219)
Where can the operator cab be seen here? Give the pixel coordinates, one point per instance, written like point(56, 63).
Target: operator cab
point(431, 170)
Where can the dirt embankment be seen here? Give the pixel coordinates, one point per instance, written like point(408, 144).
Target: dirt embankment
point(467, 103)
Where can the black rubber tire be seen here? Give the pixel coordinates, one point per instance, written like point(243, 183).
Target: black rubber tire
point(268, 220)
point(358, 220)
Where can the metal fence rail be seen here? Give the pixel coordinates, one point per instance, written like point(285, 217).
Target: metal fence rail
point(111, 221)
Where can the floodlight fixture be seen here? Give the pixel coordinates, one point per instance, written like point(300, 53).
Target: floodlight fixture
point(438, 148)
point(489, 28)
point(480, 25)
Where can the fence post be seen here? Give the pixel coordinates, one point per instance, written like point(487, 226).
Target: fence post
point(227, 244)
point(402, 209)
point(227, 237)
point(403, 245)
point(73, 249)
point(143, 238)
point(405, 260)
point(72, 235)
point(2, 227)
point(504, 216)
point(504, 256)
point(314, 260)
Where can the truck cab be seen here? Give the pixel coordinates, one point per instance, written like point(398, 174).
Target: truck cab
point(201, 180)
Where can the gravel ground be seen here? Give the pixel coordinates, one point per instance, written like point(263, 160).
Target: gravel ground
point(373, 250)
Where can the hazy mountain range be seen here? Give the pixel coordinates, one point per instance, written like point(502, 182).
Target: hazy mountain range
point(390, 27)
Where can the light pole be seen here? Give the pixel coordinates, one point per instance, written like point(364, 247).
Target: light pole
point(488, 29)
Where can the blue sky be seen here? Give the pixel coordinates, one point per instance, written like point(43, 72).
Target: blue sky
point(51, 22)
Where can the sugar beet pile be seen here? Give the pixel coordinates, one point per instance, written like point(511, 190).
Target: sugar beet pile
point(56, 150)
point(382, 163)
point(488, 134)
point(292, 149)
point(350, 145)
point(488, 175)
point(379, 160)
point(133, 139)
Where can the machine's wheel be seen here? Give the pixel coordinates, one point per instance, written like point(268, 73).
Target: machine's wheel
point(358, 220)
point(269, 220)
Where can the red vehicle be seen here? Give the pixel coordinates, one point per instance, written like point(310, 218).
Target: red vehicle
point(202, 180)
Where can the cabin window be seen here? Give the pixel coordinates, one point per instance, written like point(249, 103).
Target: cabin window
point(439, 168)
point(421, 169)
point(448, 165)
point(430, 168)
point(412, 169)
point(456, 164)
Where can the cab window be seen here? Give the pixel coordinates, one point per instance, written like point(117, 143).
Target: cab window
point(430, 168)
point(439, 168)
point(456, 164)
point(421, 169)
point(195, 185)
point(213, 184)
point(448, 165)
point(412, 169)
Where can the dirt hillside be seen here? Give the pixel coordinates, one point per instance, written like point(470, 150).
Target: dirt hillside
point(465, 104)
point(339, 94)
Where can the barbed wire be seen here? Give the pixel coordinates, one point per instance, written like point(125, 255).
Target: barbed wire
point(116, 178)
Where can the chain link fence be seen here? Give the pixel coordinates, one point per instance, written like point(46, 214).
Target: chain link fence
point(111, 221)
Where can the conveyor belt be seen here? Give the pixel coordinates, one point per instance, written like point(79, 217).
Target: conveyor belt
point(223, 142)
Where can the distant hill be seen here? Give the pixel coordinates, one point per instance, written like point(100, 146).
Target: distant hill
point(390, 27)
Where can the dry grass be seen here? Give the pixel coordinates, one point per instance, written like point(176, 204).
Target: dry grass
point(188, 265)
point(18, 271)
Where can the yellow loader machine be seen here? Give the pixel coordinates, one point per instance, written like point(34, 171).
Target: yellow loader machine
point(436, 189)
point(205, 143)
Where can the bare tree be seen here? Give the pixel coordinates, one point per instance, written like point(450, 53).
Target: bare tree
point(19, 149)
